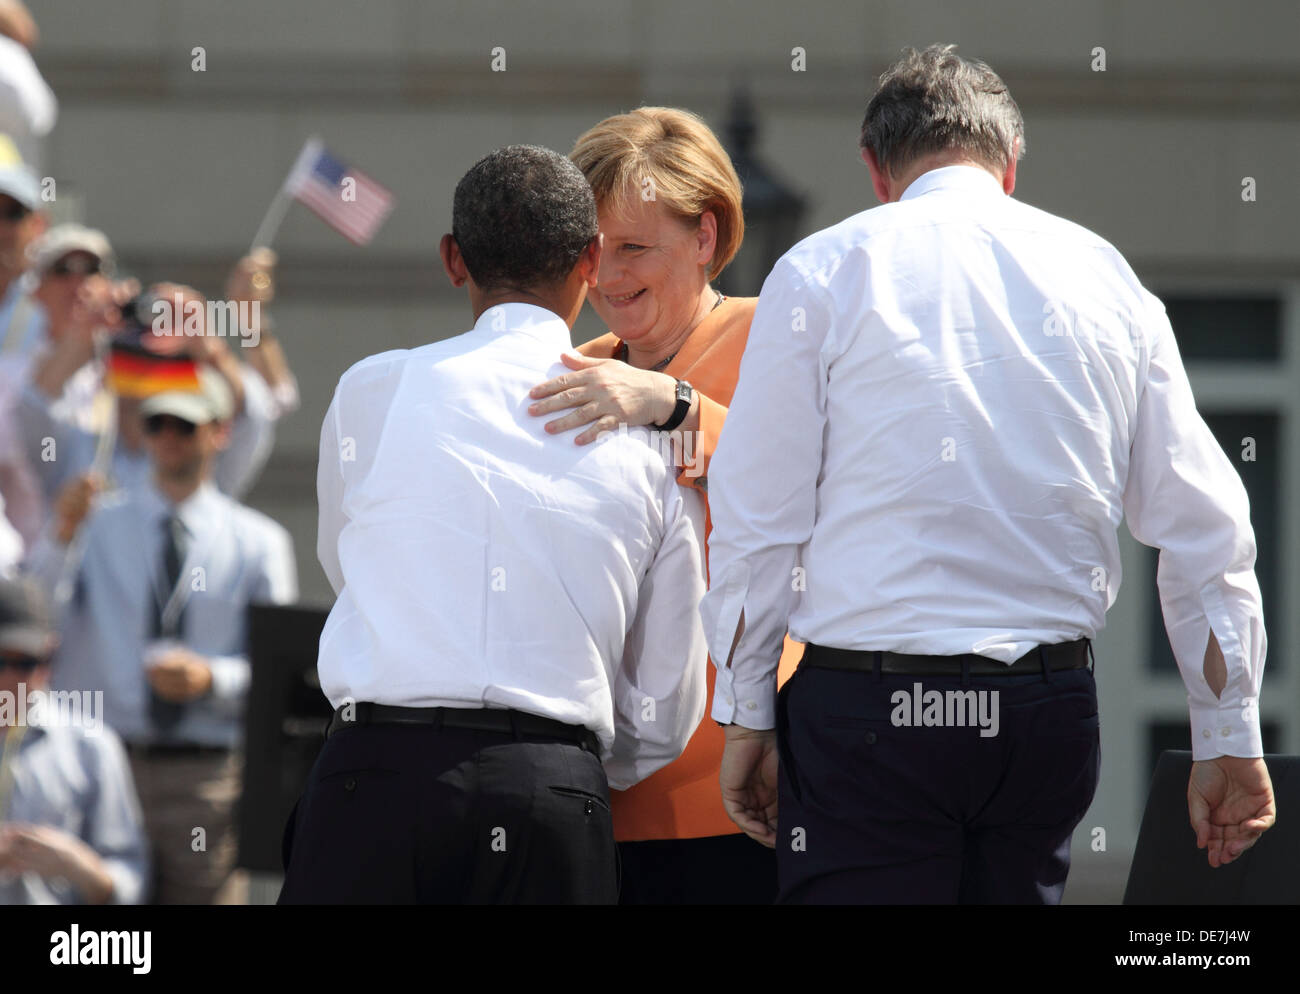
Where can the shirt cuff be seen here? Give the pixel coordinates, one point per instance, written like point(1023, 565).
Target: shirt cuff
point(1230, 731)
point(750, 705)
point(230, 678)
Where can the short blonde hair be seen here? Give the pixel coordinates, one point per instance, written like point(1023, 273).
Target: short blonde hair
point(680, 155)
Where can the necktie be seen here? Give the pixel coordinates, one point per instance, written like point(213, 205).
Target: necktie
point(165, 715)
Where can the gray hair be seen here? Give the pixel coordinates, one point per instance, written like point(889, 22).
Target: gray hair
point(936, 101)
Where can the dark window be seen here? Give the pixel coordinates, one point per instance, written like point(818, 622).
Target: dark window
point(1226, 327)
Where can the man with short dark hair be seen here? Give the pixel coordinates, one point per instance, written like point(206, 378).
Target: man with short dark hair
point(510, 612)
point(947, 405)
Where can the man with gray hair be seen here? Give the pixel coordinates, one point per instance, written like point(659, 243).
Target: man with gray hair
point(951, 401)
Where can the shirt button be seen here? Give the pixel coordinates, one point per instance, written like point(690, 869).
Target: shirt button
point(350, 785)
point(871, 738)
point(750, 705)
point(1205, 734)
point(1225, 731)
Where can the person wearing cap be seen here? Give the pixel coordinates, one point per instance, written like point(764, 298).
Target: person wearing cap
point(71, 266)
point(21, 323)
point(156, 618)
point(71, 831)
point(57, 408)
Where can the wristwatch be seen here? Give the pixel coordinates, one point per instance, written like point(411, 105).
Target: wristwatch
point(685, 397)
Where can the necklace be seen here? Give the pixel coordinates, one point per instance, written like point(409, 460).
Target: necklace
point(659, 366)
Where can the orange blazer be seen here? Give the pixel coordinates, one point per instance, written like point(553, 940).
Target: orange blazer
point(683, 800)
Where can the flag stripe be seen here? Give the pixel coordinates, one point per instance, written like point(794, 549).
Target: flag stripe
point(356, 219)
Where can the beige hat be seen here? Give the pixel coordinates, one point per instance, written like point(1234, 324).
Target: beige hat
point(63, 239)
point(213, 401)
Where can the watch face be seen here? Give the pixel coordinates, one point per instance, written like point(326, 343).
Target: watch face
point(684, 391)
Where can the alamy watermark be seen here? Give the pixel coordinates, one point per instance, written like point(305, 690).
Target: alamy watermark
point(945, 709)
point(189, 317)
point(43, 708)
point(676, 447)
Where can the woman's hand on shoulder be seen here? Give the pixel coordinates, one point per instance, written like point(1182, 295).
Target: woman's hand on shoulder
point(603, 393)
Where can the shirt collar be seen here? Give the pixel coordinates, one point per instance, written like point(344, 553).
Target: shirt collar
point(972, 179)
point(194, 511)
point(528, 319)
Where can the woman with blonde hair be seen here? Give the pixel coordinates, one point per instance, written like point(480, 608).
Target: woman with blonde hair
point(669, 204)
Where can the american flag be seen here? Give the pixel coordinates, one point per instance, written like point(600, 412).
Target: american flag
point(318, 181)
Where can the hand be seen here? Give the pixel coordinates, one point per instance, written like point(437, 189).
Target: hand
point(180, 675)
point(253, 277)
point(604, 393)
point(95, 306)
point(51, 852)
point(1230, 802)
point(748, 778)
point(73, 503)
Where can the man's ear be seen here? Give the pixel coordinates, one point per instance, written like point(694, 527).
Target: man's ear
point(589, 261)
point(878, 181)
point(220, 434)
point(452, 262)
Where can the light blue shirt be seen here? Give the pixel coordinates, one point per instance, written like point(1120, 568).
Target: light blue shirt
point(236, 557)
point(79, 782)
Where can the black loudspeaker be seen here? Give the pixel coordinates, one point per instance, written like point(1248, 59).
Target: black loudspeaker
point(1169, 869)
point(284, 727)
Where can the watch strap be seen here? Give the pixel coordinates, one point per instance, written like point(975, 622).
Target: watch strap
point(685, 396)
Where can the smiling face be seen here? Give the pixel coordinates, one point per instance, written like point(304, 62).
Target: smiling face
point(653, 268)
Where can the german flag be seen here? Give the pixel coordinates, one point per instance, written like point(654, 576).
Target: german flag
point(134, 371)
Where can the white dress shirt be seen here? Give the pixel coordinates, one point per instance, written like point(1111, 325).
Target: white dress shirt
point(236, 557)
point(482, 562)
point(946, 406)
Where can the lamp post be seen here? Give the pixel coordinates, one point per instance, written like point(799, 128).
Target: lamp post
point(772, 209)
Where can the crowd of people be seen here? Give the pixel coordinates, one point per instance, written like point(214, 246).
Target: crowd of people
point(127, 561)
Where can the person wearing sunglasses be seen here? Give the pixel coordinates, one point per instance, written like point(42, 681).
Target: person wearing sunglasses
point(71, 831)
point(157, 619)
point(63, 400)
point(22, 222)
point(72, 268)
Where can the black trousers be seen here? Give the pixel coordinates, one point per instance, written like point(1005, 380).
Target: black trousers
point(875, 811)
point(413, 814)
point(714, 869)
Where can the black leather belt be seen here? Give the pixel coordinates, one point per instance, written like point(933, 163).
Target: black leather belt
point(1064, 656)
point(505, 721)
